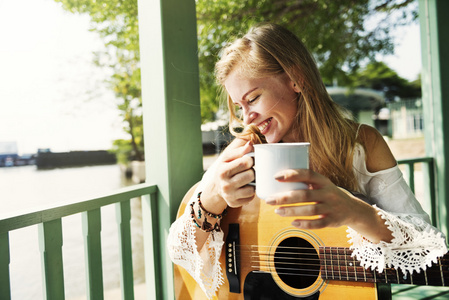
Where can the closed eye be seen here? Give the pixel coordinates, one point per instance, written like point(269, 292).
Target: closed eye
point(253, 99)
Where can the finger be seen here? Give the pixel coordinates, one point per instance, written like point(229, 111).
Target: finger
point(233, 189)
point(239, 165)
point(301, 175)
point(317, 223)
point(296, 196)
point(242, 196)
point(246, 193)
point(236, 149)
point(239, 202)
point(243, 178)
point(304, 210)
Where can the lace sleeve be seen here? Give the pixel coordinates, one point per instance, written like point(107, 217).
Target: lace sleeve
point(416, 243)
point(203, 266)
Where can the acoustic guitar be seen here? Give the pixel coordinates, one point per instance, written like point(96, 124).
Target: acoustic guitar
point(264, 257)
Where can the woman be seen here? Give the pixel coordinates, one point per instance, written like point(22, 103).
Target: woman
point(273, 81)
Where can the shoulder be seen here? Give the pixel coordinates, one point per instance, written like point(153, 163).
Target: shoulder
point(378, 154)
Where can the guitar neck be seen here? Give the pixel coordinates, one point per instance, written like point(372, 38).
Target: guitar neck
point(337, 263)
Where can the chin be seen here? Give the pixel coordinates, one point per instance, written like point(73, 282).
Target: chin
point(271, 140)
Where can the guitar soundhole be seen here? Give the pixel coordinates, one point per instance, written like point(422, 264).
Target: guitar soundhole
point(297, 263)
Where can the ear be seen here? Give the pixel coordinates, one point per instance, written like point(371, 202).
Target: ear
point(294, 87)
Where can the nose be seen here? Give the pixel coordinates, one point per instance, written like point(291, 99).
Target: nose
point(249, 117)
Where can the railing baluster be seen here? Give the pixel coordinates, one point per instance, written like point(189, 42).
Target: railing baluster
point(429, 182)
point(50, 244)
point(49, 224)
point(153, 269)
point(5, 284)
point(123, 210)
point(411, 175)
point(430, 188)
point(92, 249)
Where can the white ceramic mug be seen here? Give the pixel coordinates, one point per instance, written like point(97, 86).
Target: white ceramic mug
point(272, 158)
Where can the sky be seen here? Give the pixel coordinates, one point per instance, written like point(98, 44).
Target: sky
point(51, 96)
point(407, 58)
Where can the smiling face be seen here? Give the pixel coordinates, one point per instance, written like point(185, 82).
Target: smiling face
point(270, 103)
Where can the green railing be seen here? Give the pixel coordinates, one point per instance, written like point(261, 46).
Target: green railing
point(402, 292)
point(49, 221)
point(428, 170)
point(50, 234)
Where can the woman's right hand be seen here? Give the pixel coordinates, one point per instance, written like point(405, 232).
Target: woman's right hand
point(230, 184)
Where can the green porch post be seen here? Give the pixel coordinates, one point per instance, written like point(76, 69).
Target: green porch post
point(435, 87)
point(172, 120)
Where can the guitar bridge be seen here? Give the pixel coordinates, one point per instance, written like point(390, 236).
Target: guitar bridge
point(232, 258)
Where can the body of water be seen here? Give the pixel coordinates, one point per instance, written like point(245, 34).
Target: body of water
point(26, 187)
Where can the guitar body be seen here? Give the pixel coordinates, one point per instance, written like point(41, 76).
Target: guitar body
point(271, 235)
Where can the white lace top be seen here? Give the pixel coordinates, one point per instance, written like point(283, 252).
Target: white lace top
point(416, 244)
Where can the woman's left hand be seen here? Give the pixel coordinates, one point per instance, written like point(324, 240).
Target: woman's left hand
point(326, 205)
point(329, 205)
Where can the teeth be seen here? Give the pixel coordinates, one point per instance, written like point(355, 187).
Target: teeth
point(264, 125)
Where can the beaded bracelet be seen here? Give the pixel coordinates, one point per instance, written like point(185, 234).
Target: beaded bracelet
point(206, 227)
point(225, 211)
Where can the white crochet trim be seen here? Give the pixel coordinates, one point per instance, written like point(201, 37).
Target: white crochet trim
point(203, 266)
point(415, 245)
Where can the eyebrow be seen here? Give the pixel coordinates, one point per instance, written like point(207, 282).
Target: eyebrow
point(248, 92)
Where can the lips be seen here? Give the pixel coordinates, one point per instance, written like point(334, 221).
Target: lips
point(262, 126)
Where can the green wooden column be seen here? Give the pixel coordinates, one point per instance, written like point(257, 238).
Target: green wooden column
point(172, 119)
point(435, 86)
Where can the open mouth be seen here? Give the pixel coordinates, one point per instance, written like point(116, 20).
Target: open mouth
point(262, 126)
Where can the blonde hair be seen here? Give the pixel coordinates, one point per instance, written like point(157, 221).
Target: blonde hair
point(268, 50)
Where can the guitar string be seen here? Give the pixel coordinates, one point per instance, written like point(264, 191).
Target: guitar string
point(282, 271)
point(255, 249)
point(340, 258)
point(286, 266)
point(339, 271)
point(344, 273)
point(349, 272)
point(261, 257)
point(334, 250)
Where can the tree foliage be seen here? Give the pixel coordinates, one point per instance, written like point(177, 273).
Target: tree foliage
point(116, 21)
point(378, 76)
point(341, 34)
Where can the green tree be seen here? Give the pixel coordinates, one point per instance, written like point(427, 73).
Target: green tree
point(337, 32)
point(116, 22)
point(378, 76)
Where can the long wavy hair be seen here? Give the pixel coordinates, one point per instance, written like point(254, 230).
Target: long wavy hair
point(268, 50)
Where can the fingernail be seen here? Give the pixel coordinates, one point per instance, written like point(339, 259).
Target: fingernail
point(270, 201)
point(279, 177)
point(296, 223)
point(280, 211)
